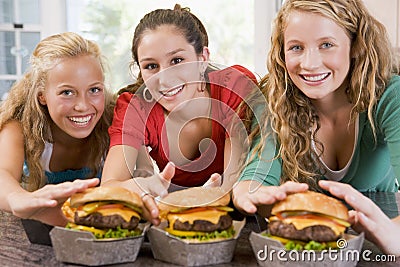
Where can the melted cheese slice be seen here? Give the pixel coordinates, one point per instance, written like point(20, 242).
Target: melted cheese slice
point(126, 214)
point(211, 215)
point(300, 223)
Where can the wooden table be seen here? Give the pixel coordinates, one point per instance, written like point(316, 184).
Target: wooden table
point(16, 249)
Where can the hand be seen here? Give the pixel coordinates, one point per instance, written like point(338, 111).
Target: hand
point(247, 195)
point(367, 217)
point(45, 203)
point(151, 187)
point(214, 181)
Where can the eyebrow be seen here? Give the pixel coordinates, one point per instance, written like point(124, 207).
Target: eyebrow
point(168, 54)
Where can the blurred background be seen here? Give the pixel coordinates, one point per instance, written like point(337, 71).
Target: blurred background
point(238, 30)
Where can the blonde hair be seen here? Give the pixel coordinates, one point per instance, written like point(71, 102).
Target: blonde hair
point(22, 104)
point(291, 113)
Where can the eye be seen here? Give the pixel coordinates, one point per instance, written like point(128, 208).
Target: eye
point(66, 92)
point(326, 45)
point(295, 48)
point(150, 66)
point(177, 60)
point(95, 90)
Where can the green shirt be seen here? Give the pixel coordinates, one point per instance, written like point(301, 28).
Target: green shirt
point(373, 168)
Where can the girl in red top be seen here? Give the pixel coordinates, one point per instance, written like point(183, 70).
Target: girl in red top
point(180, 109)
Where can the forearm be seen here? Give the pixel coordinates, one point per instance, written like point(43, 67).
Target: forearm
point(9, 185)
point(232, 157)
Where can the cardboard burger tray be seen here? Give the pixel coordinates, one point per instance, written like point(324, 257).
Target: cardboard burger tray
point(270, 252)
point(80, 247)
point(168, 248)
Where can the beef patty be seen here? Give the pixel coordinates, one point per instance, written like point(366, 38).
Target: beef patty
point(106, 222)
point(224, 223)
point(319, 233)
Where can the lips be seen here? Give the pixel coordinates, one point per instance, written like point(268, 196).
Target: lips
point(315, 78)
point(172, 92)
point(81, 120)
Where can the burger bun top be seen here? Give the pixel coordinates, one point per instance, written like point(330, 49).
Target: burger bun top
point(194, 197)
point(105, 193)
point(312, 202)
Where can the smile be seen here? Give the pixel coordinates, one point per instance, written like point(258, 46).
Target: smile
point(172, 92)
point(81, 120)
point(315, 78)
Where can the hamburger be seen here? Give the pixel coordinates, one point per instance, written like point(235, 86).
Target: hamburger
point(308, 220)
point(198, 214)
point(107, 212)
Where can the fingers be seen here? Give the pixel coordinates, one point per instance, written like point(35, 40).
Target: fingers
point(165, 177)
point(250, 194)
point(292, 187)
point(214, 181)
point(354, 198)
point(150, 211)
point(169, 171)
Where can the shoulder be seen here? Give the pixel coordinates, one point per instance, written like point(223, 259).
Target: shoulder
point(388, 106)
point(392, 90)
point(12, 133)
point(13, 126)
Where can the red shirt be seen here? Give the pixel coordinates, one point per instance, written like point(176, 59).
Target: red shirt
point(137, 123)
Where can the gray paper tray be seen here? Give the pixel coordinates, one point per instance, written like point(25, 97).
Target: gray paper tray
point(174, 250)
point(81, 247)
point(270, 252)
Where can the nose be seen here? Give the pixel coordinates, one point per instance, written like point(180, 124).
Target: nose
point(163, 79)
point(311, 59)
point(81, 103)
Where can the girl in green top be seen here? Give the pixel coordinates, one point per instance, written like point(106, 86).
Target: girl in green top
point(333, 109)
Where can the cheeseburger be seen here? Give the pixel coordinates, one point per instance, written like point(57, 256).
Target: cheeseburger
point(308, 220)
point(198, 213)
point(107, 212)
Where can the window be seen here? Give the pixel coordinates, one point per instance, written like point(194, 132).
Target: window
point(19, 34)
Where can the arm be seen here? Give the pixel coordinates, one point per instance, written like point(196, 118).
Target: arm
point(368, 217)
point(43, 204)
point(232, 151)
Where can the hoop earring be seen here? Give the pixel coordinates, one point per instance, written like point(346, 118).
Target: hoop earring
point(146, 93)
point(202, 82)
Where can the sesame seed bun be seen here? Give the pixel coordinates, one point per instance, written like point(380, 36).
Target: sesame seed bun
point(194, 197)
point(104, 193)
point(312, 202)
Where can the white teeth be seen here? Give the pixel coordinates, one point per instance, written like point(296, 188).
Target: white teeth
point(315, 78)
point(81, 120)
point(172, 92)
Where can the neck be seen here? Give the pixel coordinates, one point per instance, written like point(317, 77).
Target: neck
point(334, 105)
point(60, 137)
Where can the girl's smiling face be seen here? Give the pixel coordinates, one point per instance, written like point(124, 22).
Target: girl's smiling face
point(74, 95)
point(170, 66)
point(317, 54)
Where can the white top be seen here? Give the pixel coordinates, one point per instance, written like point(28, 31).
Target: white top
point(46, 156)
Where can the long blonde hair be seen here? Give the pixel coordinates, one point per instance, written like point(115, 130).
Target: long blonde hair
point(291, 114)
point(22, 104)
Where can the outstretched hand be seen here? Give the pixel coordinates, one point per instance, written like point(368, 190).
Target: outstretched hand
point(45, 203)
point(367, 217)
point(154, 186)
point(247, 195)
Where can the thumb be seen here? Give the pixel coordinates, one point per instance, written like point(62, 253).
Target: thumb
point(214, 181)
point(169, 171)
